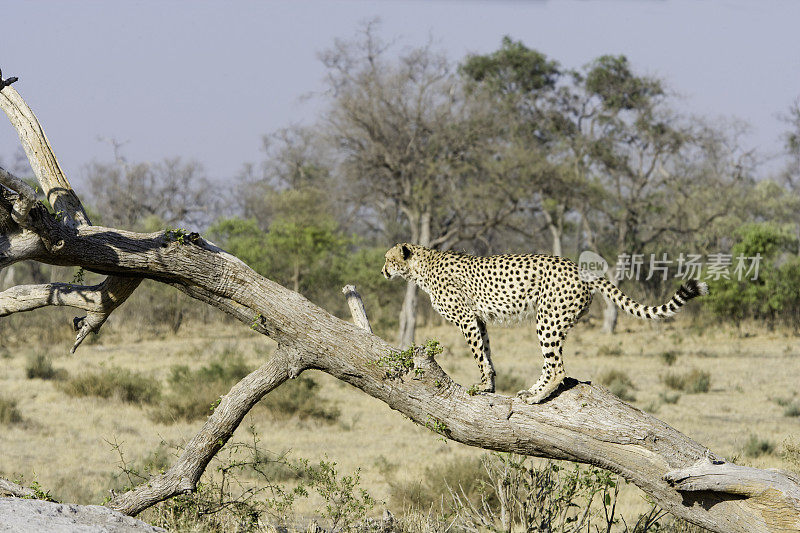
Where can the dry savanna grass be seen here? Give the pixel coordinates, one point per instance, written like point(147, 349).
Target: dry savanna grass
point(735, 392)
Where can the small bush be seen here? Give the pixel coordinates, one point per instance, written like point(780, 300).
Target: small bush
point(40, 366)
point(609, 351)
point(670, 398)
point(194, 393)
point(792, 410)
point(509, 383)
point(619, 384)
point(118, 383)
point(9, 414)
point(457, 474)
point(669, 357)
point(300, 397)
point(791, 453)
point(694, 381)
point(755, 447)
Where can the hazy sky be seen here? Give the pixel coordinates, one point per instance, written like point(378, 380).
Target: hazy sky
point(206, 80)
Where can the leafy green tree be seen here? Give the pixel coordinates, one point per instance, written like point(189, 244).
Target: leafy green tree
point(775, 295)
point(537, 127)
point(302, 254)
point(244, 239)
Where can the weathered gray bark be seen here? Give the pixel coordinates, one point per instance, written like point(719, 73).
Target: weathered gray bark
point(356, 305)
point(582, 422)
point(9, 488)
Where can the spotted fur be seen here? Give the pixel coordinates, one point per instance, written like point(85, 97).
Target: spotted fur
point(471, 291)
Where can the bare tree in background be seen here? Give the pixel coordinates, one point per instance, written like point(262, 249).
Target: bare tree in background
point(414, 144)
point(171, 192)
point(791, 175)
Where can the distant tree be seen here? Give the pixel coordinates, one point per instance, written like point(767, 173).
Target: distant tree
point(295, 159)
point(175, 192)
point(539, 137)
point(291, 230)
point(662, 179)
point(411, 144)
point(790, 177)
point(244, 239)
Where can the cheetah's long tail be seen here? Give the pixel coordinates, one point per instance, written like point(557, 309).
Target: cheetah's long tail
point(687, 291)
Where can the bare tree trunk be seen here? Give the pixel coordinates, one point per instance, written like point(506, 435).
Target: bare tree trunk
point(296, 276)
point(610, 311)
point(408, 317)
point(556, 227)
point(556, 234)
point(420, 234)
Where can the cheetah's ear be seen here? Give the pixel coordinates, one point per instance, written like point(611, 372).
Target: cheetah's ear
point(406, 251)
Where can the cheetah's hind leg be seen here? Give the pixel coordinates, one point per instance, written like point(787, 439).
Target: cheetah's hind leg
point(551, 337)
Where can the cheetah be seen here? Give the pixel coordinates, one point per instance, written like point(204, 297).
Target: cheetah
point(471, 291)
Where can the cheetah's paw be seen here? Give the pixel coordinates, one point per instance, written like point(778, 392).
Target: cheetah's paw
point(532, 398)
point(475, 388)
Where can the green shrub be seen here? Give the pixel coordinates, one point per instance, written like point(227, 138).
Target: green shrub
point(792, 410)
point(669, 357)
point(193, 394)
point(40, 366)
point(755, 447)
point(468, 495)
point(119, 383)
point(509, 383)
point(609, 351)
point(300, 397)
point(775, 295)
point(619, 384)
point(670, 398)
point(693, 381)
point(9, 414)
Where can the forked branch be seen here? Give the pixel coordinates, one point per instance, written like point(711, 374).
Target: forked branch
point(101, 300)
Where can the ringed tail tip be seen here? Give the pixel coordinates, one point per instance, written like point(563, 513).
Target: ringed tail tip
point(694, 288)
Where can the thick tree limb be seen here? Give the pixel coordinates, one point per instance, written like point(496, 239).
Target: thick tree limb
point(9, 488)
point(774, 492)
point(582, 422)
point(43, 161)
point(68, 209)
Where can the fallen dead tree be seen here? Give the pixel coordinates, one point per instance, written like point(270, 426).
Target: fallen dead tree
point(582, 422)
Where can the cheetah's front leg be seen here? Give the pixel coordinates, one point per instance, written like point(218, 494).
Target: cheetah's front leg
point(474, 330)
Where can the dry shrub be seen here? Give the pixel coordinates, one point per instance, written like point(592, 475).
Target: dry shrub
point(40, 366)
point(193, 394)
point(9, 414)
point(693, 381)
point(300, 397)
point(118, 383)
point(619, 384)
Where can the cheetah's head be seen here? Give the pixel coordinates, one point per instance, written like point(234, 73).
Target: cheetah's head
point(397, 261)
